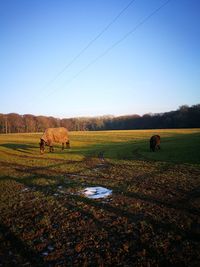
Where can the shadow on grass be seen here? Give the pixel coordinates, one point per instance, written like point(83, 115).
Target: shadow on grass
point(48, 173)
point(25, 148)
point(72, 203)
point(131, 150)
point(180, 148)
point(20, 248)
point(66, 182)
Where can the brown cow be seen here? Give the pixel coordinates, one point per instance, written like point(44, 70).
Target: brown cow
point(54, 135)
point(154, 142)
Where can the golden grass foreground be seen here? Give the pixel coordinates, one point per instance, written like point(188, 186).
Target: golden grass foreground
point(152, 217)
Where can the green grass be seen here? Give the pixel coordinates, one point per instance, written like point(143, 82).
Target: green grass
point(151, 219)
point(178, 146)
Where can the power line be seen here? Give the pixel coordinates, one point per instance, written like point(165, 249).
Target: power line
point(133, 30)
point(91, 42)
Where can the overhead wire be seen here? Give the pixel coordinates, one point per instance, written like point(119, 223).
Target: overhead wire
point(106, 51)
point(81, 52)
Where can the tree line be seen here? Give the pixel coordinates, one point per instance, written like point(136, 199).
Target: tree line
point(184, 117)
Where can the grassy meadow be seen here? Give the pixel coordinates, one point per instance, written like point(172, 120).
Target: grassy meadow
point(152, 217)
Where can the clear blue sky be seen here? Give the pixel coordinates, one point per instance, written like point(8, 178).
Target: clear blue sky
point(155, 69)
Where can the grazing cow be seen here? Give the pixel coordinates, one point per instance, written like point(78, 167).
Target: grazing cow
point(54, 135)
point(154, 142)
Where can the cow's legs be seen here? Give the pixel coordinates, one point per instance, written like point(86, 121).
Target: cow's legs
point(51, 149)
point(62, 146)
point(67, 145)
point(152, 146)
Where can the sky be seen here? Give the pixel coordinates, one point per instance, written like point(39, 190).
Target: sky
point(78, 58)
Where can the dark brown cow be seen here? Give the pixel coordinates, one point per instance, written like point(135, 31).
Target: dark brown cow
point(154, 142)
point(54, 135)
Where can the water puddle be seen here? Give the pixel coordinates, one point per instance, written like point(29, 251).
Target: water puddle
point(96, 192)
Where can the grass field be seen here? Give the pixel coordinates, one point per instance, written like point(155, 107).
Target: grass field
point(151, 219)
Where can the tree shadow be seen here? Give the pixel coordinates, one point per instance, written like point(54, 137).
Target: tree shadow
point(25, 148)
point(56, 175)
point(20, 248)
point(32, 173)
point(179, 148)
point(71, 203)
point(77, 184)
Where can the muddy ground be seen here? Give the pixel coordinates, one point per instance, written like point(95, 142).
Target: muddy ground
point(152, 217)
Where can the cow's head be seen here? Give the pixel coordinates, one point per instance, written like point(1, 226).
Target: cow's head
point(42, 146)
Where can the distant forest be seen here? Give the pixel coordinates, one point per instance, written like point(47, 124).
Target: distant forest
point(184, 117)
